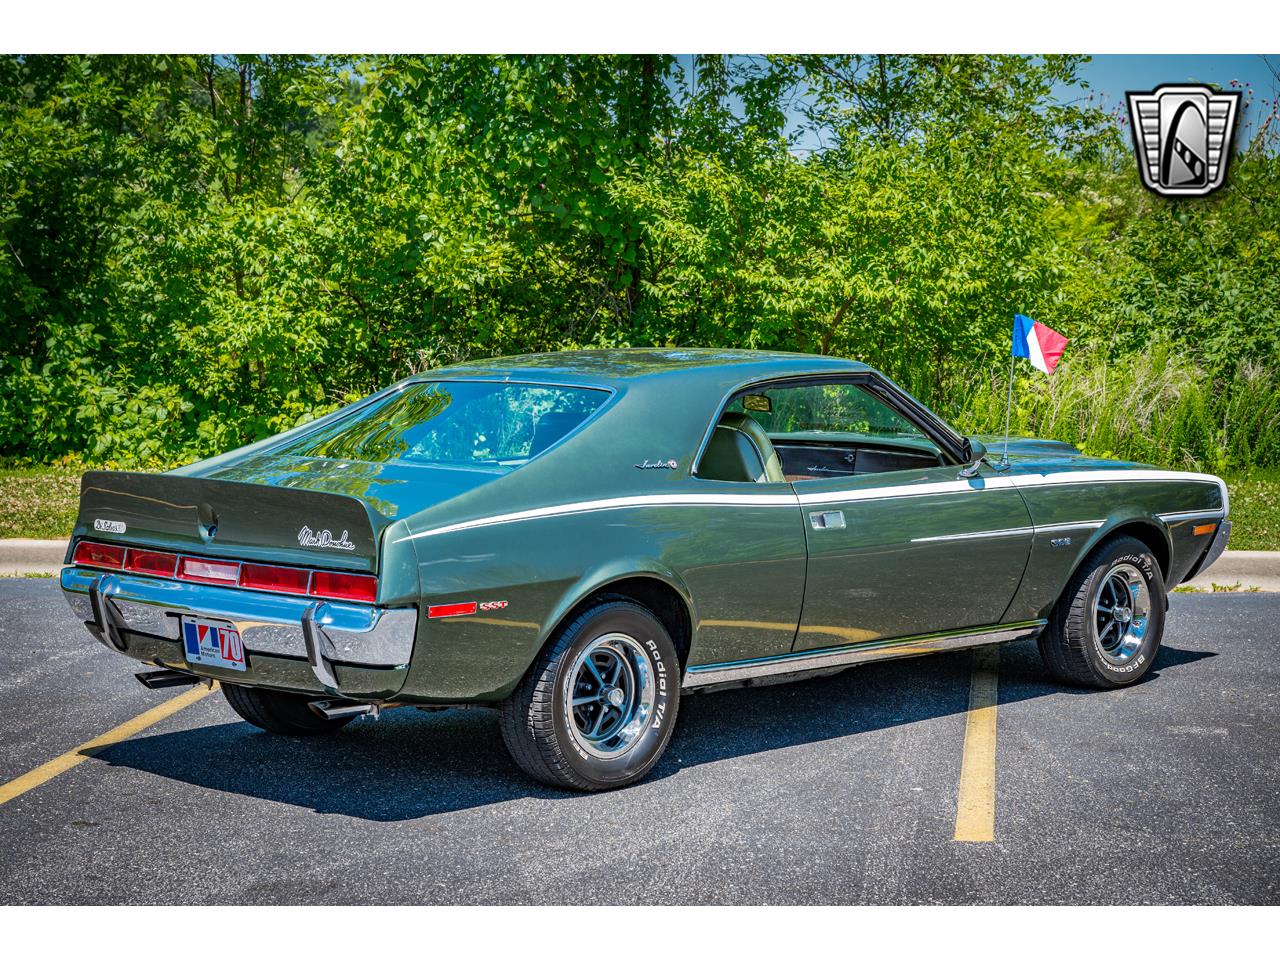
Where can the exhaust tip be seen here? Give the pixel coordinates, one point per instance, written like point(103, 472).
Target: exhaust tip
point(336, 709)
point(156, 679)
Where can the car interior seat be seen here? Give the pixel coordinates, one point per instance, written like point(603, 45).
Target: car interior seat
point(741, 450)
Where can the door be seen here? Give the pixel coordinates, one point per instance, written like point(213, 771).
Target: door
point(899, 544)
point(909, 552)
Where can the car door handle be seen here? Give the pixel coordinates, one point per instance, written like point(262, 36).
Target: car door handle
point(827, 519)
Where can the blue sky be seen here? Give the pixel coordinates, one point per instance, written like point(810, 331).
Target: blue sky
point(1110, 75)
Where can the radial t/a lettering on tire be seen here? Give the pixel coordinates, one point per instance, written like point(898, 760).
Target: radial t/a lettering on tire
point(597, 708)
point(1107, 626)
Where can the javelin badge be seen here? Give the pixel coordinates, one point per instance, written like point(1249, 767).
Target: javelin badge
point(1182, 135)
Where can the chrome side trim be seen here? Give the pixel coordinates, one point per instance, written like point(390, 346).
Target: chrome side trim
point(978, 535)
point(1014, 531)
point(1191, 515)
point(1075, 525)
point(268, 623)
point(851, 654)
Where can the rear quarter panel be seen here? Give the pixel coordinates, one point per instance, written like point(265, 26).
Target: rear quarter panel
point(738, 569)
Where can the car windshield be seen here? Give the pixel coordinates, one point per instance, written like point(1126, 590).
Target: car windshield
point(456, 422)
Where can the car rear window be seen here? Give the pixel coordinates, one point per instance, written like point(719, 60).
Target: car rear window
point(466, 422)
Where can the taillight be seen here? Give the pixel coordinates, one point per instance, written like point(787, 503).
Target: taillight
point(278, 579)
point(89, 554)
point(208, 571)
point(344, 586)
point(297, 581)
point(150, 561)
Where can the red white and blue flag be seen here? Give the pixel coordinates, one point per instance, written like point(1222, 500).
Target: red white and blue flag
point(1038, 343)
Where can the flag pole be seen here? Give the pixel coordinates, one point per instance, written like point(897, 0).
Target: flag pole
point(1008, 405)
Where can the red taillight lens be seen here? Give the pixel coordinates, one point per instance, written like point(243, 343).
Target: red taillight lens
point(279, 579)
point(208, 571)
point(152, 562)
point(344, 586)
point(91, 554)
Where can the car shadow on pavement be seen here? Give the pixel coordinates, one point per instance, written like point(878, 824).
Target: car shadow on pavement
point(411, 764)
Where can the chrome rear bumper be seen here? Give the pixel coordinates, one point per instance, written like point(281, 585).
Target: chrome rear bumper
point(325, 632)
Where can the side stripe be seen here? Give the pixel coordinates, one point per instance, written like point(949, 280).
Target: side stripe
point(619, 503)
point(933, 488)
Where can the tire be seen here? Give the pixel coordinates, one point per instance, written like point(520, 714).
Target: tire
point(1084, 643)
point(277, 712)
point(609, 739)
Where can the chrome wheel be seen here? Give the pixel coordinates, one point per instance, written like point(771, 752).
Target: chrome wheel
point(1121, 613)
point(610, 693)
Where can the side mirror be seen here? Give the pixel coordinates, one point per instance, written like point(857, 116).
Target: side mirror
point(974, 450)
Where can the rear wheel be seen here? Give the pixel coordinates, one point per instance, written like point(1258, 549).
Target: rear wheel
point(278, 712)
point(597, 708)
point(1106, 629)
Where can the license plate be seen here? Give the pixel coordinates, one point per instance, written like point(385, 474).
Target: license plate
point(213, 643)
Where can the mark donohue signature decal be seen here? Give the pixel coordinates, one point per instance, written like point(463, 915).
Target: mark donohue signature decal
point(309, 538)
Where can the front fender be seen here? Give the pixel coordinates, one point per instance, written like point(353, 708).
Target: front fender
point(1052, 564)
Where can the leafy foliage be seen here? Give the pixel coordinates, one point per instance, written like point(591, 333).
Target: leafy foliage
point(202, 251)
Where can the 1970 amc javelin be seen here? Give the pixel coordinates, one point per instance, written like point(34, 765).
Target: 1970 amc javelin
point(578, 539)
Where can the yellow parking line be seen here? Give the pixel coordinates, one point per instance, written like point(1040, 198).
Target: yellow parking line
point(47, 771)
point(976, 804)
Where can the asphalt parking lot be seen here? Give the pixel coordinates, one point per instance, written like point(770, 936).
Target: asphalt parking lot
point(836, 790)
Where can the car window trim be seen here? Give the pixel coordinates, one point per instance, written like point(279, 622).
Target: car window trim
point(949, 443)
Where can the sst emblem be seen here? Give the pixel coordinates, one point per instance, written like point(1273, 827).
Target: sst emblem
point(1182, 135)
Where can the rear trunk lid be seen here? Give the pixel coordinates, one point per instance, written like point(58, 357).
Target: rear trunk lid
point(288, 510)
point(230, 519)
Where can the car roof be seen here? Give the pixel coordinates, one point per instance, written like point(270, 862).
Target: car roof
point(609, 367)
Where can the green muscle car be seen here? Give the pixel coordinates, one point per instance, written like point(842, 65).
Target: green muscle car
point(579, 539)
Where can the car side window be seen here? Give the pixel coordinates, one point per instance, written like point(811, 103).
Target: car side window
point(839, 428)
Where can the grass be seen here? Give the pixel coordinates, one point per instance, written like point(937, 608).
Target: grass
point(1255, 510)
point(40, 502)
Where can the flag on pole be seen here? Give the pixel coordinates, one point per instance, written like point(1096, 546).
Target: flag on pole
point(1039, 344)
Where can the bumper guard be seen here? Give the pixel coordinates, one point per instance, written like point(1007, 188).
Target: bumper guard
point(325, 633)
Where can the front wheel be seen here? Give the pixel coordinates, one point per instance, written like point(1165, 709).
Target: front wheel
point(1106, 629)
point(597, 708)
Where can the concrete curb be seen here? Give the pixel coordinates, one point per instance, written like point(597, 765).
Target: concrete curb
point(1249, 569)
point(1241, 571)
point(21, 557)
